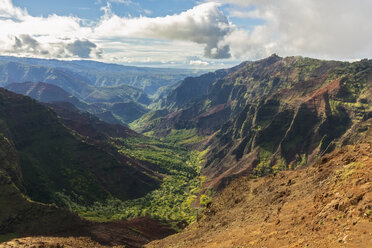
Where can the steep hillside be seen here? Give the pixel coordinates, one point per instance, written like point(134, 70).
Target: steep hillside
point(192, 88)
point(273, 114)
point(60, 167)
point(18, 213)
point(328, 204)
point(20, 216)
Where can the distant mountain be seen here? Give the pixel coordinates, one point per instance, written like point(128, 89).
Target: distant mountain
point(91, 73)
point(117, 94)
point(91, 82)
point(112, 104)
point(191, 89)
point(18, 72)
point(44, 92)
point(269, 115)
point(49, 93)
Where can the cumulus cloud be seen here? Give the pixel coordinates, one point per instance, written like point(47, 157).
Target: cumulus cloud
point(337, 29)
point(83, 48)
point(8, 11)
point(26, 44)
point(50, 37)
point(204, 24)
point(126, 2)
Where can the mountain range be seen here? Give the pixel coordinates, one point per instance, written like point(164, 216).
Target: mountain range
point(270, 115)
point(268, 153)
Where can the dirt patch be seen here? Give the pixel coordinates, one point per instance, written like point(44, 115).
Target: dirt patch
point(325, 205)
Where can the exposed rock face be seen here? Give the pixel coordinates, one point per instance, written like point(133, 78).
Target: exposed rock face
point(192, 88)
point(328, 204)
point(274, 114)
point(296, 110)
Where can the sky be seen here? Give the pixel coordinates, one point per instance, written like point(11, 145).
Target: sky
point(206, 34)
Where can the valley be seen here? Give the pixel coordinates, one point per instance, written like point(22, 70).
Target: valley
point(270, 153)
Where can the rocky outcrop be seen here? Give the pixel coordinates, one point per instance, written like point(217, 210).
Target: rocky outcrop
point(327, 204)
point(274, 114)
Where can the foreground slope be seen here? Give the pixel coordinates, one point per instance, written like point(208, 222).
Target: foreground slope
point(326, 205)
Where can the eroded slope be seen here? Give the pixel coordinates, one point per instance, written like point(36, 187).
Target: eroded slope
point(326, 205)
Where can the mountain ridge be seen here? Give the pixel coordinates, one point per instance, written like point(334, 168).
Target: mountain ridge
point(273, 114)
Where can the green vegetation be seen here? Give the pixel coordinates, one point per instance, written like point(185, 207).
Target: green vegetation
point(183, 137)
point(172, 201)
point(205, 199)
point(148, 121)
point(59, 168)
point(280, 165)
point(262, 169)
point(368, 212)
point(348, 170)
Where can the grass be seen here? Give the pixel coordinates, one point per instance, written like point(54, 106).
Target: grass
point(348, 170)
point(170, 203)
point(183, 137)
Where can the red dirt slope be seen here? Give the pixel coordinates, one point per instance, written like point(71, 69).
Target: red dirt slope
point(326, 205)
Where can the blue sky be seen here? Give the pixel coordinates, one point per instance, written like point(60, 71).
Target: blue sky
point(90, 9)
point(185, 33)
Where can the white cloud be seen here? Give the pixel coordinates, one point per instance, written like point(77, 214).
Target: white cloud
point(204, 24)
point(198, 62)
point(336, 29)
point(8, 11)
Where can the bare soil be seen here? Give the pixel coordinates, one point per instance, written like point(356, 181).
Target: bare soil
point(325, 205)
